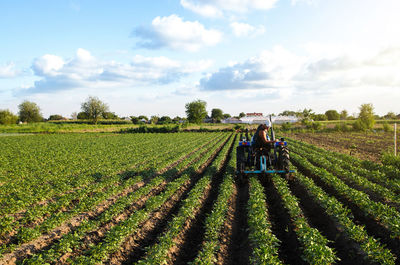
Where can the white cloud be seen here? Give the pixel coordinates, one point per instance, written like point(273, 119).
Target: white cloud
point(269, 70)
point(216, 8)
point(47, 65)
point(272, 71)
point(174, 33)
point(8, 71)
point(207, 10)
point(246, 30)
point(86, 71)
point(309, 2)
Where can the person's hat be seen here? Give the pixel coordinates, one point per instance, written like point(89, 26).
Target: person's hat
point(268, 123)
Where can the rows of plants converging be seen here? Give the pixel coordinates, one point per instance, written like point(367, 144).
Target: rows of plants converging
point(174, 199)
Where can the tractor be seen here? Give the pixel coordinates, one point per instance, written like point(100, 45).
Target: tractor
point(264, 155)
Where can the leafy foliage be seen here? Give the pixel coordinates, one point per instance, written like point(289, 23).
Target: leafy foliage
point(7, 117)
point(366, 118)
point(94, 108)
point(332, 115)
point(196, 111)
point(29, 112)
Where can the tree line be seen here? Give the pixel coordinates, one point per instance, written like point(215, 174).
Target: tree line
point(93, 109)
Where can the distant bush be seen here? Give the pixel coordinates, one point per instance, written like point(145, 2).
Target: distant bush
point(169, 129)
point(56, 117)
point(147, 129)
point(286, 126)
point(342, 127)
point(366, 119)
point(100, 122)
point(7, 117)
point(390, 159)
point(387, 127)
point(314, 125)
point(358, 125)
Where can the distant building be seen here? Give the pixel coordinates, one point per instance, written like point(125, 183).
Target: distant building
point(284, 119)
point(254, 118)
point(231, 120)
point(259, 118)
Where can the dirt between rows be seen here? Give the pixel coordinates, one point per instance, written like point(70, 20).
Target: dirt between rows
point(362, 146)
point(134, 248)
point(347, 251)
point(373, 227)
point(46, 240)
point(371, 194)
point(236, 232)
point(124, 174)
point(290, 248)
point(190, 241)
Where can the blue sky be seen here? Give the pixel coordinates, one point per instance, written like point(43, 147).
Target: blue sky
point(152, 57)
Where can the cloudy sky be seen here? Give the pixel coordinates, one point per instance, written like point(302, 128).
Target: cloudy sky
point(152, 57)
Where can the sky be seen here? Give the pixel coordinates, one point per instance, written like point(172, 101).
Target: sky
point(153, 57)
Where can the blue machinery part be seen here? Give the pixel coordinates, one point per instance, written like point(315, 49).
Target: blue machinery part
point(263, 169)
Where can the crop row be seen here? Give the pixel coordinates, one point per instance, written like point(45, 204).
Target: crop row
point(216, 219)
point(384, 214)
point(64, 163)
point(57, 165)
point(87, 202)
point(263, 242)
point(158, 253)
point(354, 165)
point(334, 167)
point(51, 210)
point(344, 220)
point(70, 241)
point(315, 245)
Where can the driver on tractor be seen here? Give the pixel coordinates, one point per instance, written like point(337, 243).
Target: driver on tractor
point(261, 138)
point(261, 142)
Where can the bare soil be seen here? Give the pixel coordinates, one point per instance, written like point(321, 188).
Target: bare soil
point(366, 146)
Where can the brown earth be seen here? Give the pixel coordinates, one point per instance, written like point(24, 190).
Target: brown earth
point(366, 146)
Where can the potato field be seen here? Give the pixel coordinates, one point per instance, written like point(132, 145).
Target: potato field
point(154, 198)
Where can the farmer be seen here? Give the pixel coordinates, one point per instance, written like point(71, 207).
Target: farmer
point(260, 139)
point(261, 143)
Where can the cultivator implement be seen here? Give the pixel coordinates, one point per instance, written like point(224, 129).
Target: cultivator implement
point(272, 157)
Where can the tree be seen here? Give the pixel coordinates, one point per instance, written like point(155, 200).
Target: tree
point(332, 115)
point(142, 117)
point(390, 116)
point(217, 115)
point(74, 115)
point(135, 120)
point(82, 116)
point(154, 119)
point(344, 115)
point(176, 119)
point(242, 114)
point(366, 119)
point(227, 116)
point(7, 117)
point(110, 115)
point(196, 111)
point(29, 112)
point(289, 113)
point(164, 120)
point(94, 108)
point(56, 117)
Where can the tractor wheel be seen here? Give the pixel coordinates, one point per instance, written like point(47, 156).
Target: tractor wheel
point(284, 161)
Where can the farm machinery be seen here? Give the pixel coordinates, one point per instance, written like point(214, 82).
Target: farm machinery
point(262, 155)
